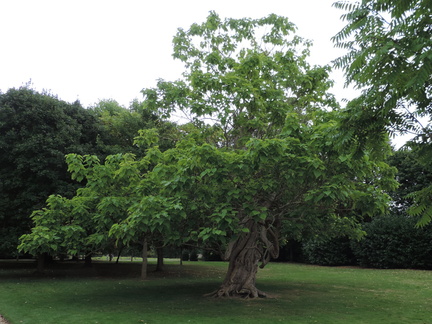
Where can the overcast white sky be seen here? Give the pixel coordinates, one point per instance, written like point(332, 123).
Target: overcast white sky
point(101, 49)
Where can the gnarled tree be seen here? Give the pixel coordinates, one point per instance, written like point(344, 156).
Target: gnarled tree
point(271, 167)
point(275, 165)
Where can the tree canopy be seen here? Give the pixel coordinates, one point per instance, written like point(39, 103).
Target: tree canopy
point(271, 166)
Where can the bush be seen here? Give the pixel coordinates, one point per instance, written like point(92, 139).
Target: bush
point(211, 256)
point(193, 256)
point(331, 252)
point(185, 256)
point(395, 242)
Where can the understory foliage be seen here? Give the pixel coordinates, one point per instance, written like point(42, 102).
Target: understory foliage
point(389, 58)
point(273, 165)
point(330, 252)
point(394, 242)
point(391, 241)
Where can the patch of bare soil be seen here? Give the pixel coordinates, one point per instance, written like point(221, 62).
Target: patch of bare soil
point(3, 320)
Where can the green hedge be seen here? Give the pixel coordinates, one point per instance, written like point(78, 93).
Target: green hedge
point(332, 252)
point(395, 242)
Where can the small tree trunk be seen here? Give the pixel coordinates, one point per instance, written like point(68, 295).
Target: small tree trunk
point(160, 261)
point(41, 263)
point(144, 261)
point(119, 254)
point(88, 261)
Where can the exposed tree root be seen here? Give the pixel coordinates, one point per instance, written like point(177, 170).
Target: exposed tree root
point(229, 291)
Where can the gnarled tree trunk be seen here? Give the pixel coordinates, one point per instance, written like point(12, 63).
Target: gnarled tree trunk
point(244, 256)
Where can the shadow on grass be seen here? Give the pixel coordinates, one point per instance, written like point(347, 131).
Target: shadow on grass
point(110, 293)
point(27, 270)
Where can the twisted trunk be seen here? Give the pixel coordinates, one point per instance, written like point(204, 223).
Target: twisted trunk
point(244, 256)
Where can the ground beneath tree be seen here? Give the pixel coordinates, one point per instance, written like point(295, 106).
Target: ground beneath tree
point(3, 320)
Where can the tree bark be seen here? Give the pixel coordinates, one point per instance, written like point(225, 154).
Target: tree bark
point(88, 261)
point(245, 254)
point(144, 260)
point(41, 263)
point(160, 261)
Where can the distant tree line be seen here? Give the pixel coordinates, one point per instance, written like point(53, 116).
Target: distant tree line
point(37, 131)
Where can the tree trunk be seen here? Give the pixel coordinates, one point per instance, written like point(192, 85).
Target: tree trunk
point(41, 263)
point(119, 254)
point(144, 260)
point(88, 261)
point(244, 254)
point(160, 261)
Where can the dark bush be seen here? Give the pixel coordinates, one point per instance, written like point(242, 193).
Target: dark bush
point(185, 256)
point(331, 252)
point(395, 242)
point(292, 251)
point(211, 256)
point(193, 256)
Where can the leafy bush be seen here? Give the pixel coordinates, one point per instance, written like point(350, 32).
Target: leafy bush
point(395, 242)
point(331, 252)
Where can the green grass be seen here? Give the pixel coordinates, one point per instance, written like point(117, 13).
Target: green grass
point(302, 294)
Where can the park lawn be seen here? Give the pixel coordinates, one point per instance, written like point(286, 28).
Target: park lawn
point(301, 294)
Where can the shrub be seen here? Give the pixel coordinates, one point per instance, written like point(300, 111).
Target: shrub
point(211, 256)
point(330, 252)
point(185, 256)
point(395, 242)
point(193, 256)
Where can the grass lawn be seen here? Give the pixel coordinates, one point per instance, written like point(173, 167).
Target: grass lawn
point(110, 293)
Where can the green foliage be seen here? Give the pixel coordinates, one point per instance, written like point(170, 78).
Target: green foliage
point(273, 164)
point(81, 224)
point(412, 174)
point(37, 130)
point(390, 58)
point(390, 54)
point(120, 127)
point(243, 74)
point(395, 242)
point(332, 252)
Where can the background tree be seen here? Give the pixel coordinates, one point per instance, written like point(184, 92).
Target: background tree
point(412, 174)
point(390, 58)
point(120, 126)
point(37, 130)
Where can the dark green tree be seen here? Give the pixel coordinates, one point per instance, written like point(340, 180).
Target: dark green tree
point(412, 174)
point(36, 131)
